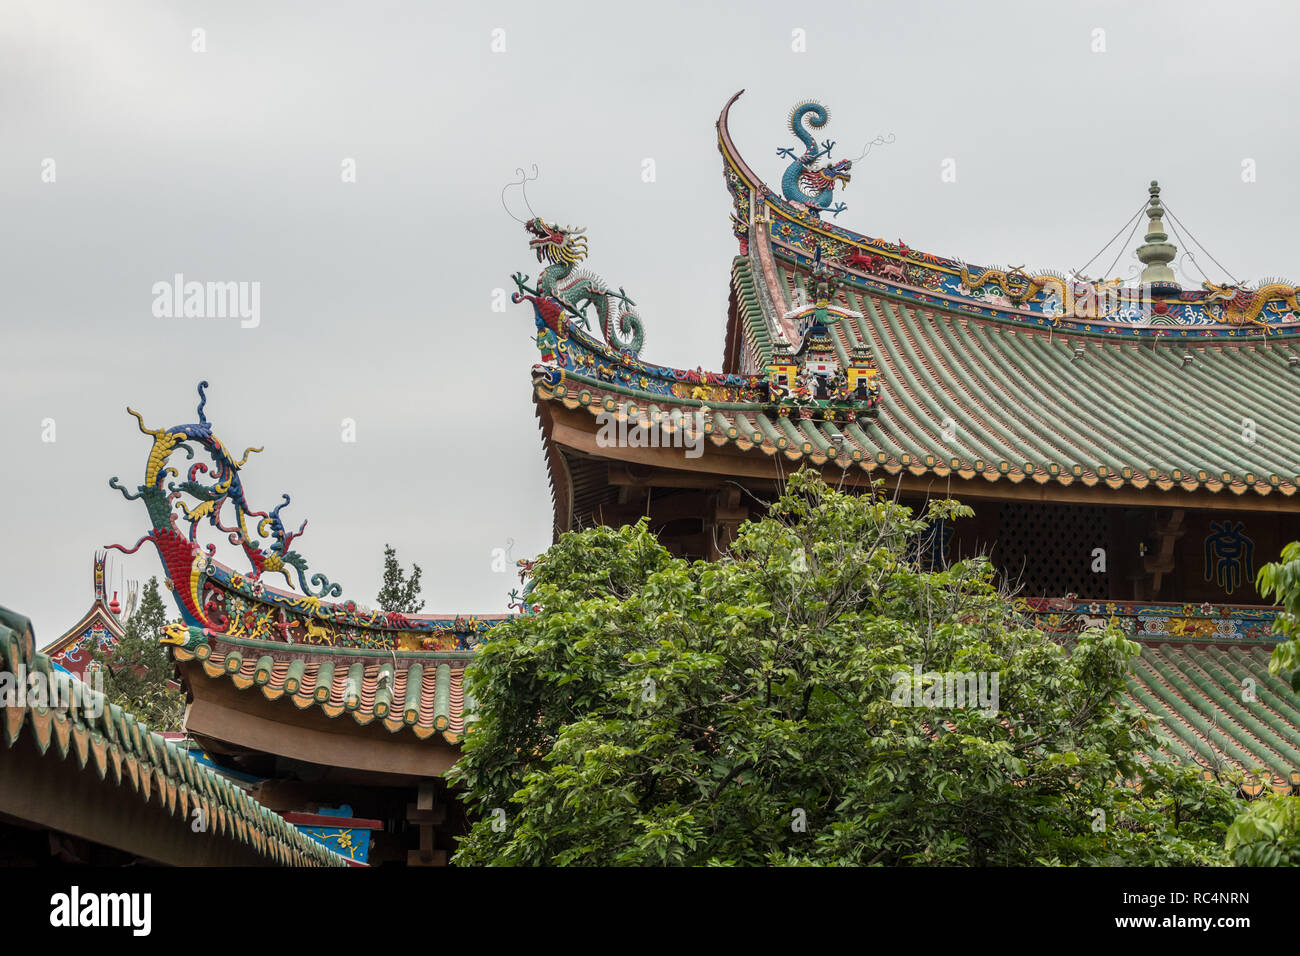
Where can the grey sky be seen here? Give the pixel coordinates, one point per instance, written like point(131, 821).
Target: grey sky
point(376, 295)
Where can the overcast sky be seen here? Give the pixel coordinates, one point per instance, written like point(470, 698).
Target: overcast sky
point(376, 295)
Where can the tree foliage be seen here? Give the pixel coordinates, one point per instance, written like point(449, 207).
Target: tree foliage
point(746, 711)
point(137, 671)
point(400, 591)
point(1281, 579)
point(1267, 833)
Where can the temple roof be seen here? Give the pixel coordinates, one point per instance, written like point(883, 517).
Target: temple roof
point(1197, 692)
point(974, 396)
point(100, 624)
point(116, 747)
point(1045, 298)
point(1008, 375)
point(1016, 377)
point(419, 690)
point(332, 657)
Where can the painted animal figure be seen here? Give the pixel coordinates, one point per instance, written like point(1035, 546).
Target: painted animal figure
point(863, 260)
point(560, 249)
point(185, 636)
point(811, 177)
point(316, 633)
point(1077, 298)
point(1244, 306)
point(185, 560)
point(893, 270)
point(1013, 283)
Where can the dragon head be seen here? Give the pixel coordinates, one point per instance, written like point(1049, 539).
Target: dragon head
point(819, 180)
point(1219, 292)
point(182, 635)
point(556, 244)
point(838, 172)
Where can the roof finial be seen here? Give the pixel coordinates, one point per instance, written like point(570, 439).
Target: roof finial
point(1157, 251)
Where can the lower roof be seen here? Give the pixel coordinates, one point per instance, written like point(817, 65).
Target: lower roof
point(115, 746)
point(421, 692)
point(1197, 692)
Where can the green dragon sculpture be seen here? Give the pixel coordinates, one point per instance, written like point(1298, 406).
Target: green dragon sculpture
point(186, 636)
point(560, 249)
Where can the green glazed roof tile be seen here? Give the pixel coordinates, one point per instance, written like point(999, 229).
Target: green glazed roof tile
point(153, 762)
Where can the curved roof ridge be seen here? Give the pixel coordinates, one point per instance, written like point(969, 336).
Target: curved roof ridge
point(1054, 299)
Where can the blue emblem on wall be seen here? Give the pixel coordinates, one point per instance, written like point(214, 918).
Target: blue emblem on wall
point(1229, 555)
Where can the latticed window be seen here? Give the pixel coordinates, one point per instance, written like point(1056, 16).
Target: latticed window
point(1048, 551)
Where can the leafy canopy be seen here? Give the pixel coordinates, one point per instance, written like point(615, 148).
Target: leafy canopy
point(745, 712)
point(1281, 579)
point(1267, 833)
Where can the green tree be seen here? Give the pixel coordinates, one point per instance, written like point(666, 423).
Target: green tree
point(1267, 833)
point(400, 592)
point(1281, 579)
point(759, 710)
point(137, 670)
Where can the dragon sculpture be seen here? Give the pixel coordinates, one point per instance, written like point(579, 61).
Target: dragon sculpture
point(183, 557)
point(1243, 306)
point(1079, 298)
point(216, 602)
point(1019, 287)
point(187, 636)
point(521, 601)
point(811, 177)
point(560, 249)
point(1014, 283)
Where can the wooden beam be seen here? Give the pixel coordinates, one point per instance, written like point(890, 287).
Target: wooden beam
point(669, 467)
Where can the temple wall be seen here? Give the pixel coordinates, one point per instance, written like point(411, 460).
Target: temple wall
point(1148, 554)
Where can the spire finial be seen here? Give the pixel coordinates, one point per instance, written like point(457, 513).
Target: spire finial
point(1157, 251)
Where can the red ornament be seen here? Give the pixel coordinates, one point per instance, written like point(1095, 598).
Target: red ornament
point(1160, 308)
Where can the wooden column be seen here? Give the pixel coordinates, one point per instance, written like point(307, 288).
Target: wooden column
point(726, 514)
point(426, 814)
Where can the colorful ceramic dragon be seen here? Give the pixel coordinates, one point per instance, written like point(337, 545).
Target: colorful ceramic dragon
point(184, 559)
point(1014, 283)
point(218, 603)
point(1072, 296)
point(1078, 298)
point(811, 177)
point(186, 636)
point(522, 601)
point(1243, 306)
point(560, 249)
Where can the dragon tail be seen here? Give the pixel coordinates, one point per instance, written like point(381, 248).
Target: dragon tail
point(622, 327)
point(814, 115)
